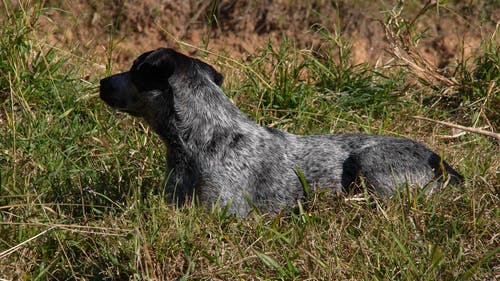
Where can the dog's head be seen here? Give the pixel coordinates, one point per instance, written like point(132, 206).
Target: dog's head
point(148, 83)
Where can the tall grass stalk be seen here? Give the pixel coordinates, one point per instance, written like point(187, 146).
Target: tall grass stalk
point(79, 183)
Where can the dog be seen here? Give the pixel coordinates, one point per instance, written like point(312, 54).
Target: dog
point(218, 155)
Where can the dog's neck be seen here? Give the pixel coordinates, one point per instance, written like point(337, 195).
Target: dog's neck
point(197, 123)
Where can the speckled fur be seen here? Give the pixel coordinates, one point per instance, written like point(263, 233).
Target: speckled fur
point(220, 155)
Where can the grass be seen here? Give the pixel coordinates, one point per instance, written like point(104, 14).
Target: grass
point(78, 181)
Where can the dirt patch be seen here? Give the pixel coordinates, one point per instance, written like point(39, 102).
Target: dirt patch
point(239, 28)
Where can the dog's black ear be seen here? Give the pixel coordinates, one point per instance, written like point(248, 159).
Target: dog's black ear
point(215, 76)
point(151, 70)
point(160, 62)
point(218, 78)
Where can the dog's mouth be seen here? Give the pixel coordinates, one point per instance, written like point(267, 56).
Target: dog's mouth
point(118, 104)
point(133, 113)
point(113, 102)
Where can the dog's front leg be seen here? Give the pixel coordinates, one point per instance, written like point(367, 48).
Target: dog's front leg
point(180, 179)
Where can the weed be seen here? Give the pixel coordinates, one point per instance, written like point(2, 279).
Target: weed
point(79, 196)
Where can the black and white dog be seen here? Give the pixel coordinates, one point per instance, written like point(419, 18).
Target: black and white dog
point(219, 155)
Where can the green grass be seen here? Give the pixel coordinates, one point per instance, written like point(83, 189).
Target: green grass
point(78, 181)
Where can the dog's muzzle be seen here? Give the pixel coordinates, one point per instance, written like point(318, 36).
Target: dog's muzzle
point(114, 90)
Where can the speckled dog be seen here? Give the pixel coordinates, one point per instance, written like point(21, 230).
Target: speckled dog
point(218, 154)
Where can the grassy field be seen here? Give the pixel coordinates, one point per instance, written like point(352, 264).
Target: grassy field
point(78, 181)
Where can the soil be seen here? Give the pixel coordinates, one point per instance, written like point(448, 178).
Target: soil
point(240, 28)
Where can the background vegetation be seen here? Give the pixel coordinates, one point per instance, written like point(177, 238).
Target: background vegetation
point(78, 181)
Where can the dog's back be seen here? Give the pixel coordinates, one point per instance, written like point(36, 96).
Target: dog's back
point(385, 163)
point(336, 162)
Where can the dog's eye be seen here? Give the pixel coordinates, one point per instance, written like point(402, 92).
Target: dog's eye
point(146, 79)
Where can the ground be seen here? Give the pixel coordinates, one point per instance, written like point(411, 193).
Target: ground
point(239, 28)
point(80, 183)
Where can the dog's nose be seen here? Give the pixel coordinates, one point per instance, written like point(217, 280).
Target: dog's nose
point(105, 86)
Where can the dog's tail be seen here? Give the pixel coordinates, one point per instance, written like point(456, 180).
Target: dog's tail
point(443, 172)
point(454, 177)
